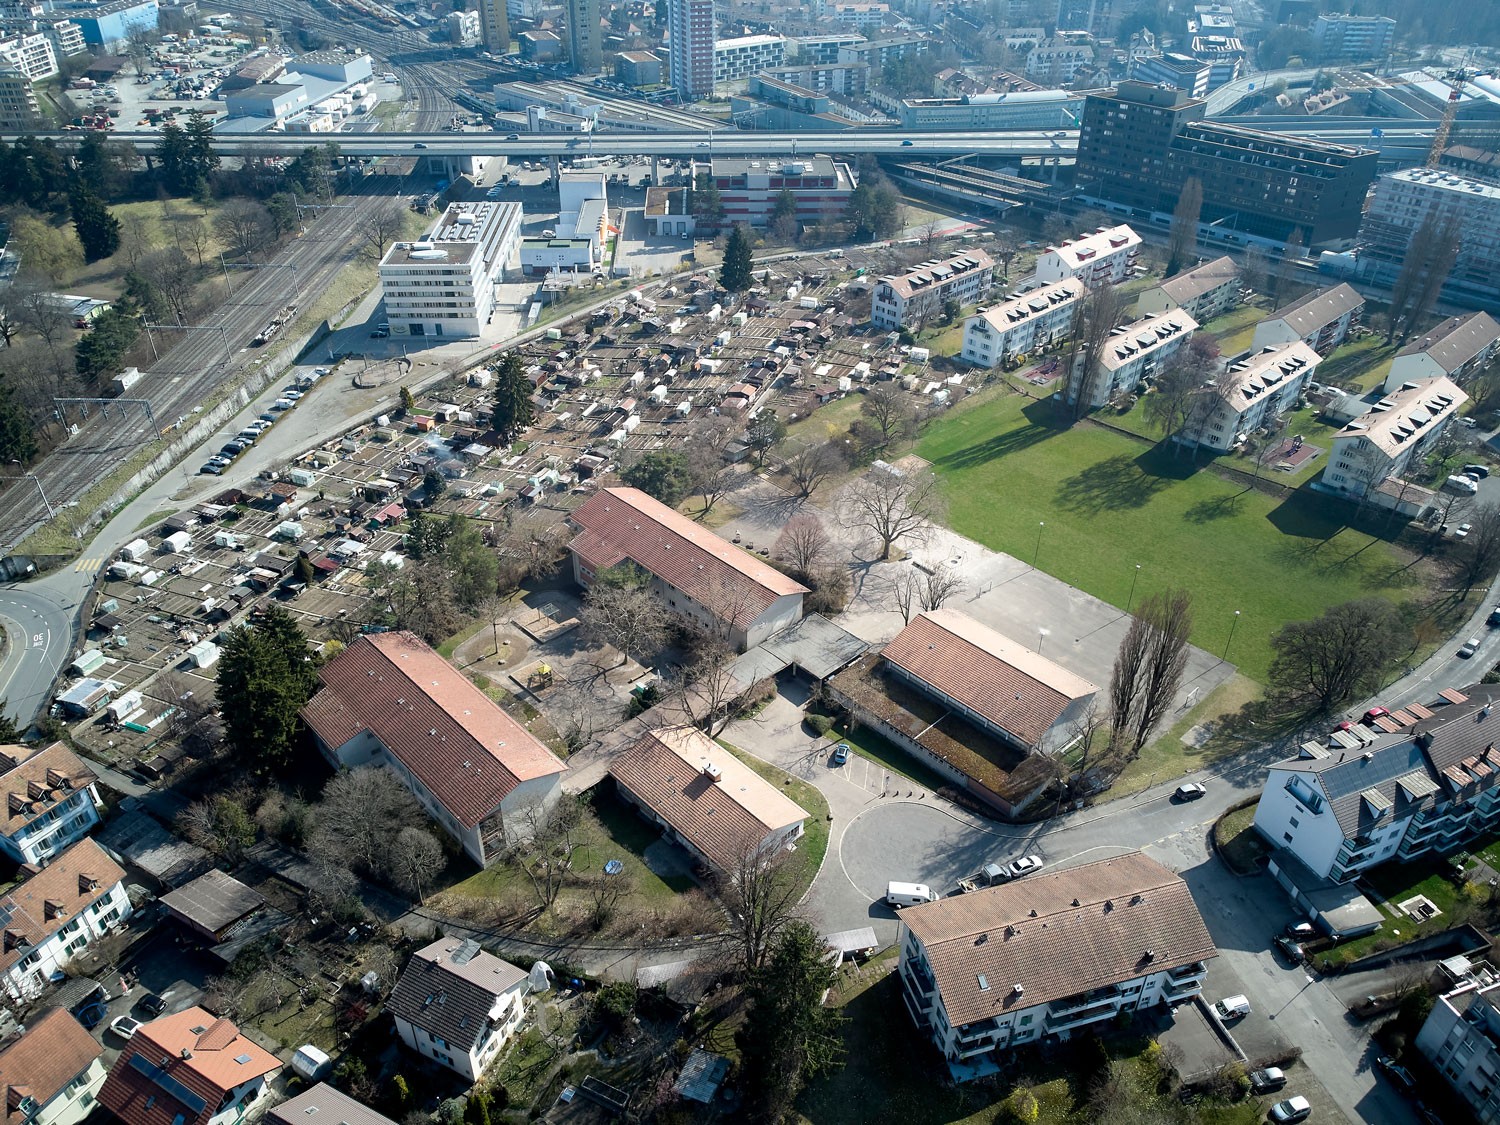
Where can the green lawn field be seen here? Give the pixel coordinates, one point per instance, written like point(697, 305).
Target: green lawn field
point(1010, 464)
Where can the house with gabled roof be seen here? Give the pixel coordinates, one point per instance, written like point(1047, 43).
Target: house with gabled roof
point(1394, 433)
point(1320, 319)
point(51, 1074)
point(189, 1068)
point(1460, 347)
point(55, 914)
point(1203, 292)
point(458, 1005)
point(705, 798)
point(698, 575)
point(390, 700)
point(1048, 956)
point(50, 801)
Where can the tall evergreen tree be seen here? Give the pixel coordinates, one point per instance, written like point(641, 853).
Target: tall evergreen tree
point(98, 230)
point(734, 275)
point(513, 410)
point(17, 434)
point(266, 674)
point(174, 153)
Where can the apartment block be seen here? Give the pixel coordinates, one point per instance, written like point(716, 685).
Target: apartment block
point(919, 294)
point(50, 802)
point(494, 26)
point(1461, 1037)
point(1133, 353)
point(1203, 292)
point(690, 31)
point(1058, 61)
point(1021, 324)
point(1398, 430)
point(585, 50)
point(1460, 348)
point(1249, 394)
point(444, 284)
point(19, 108)
point(1341, 38)
point(1102, 258)
point(1320, 319)
point(1048, 957)
point(1404, 200)
point(31, 54)
point(737, 59)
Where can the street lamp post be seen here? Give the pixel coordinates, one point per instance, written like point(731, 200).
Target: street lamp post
point(1133, 579)
point(1233, 622)
point(1041, 635)
point(1037, 553)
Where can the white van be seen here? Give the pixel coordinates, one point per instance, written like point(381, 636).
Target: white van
point(1233, 1007)
point(908, 894)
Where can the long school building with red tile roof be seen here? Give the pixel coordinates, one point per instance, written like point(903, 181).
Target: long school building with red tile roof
point(697, 574)
point(388, 699)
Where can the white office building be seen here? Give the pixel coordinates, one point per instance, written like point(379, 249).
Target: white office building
point(1104, 257)
point(1351, 38)
point(739, 58)
point(1021, 324)
point(31, 54)
point(444, 283)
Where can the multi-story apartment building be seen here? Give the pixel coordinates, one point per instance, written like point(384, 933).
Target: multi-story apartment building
point(1049, 956)
point(749, 188)
point(494, 26)
point(1102, 258)
point(823, 50)
point(690, 30)
point(1203, 292)
point(1460, 347)
point(19, 109)
point(1320, 319)
point(1341, 38)
point(638, 68)
point(877, 53)
point(1058, 61)
point(737, 59)
point(67, 38)
point(1177, 71)
point(465, 28)
point(1248, 394)
point(31, 53)
point(54, 915)
point(1093, 16)
point(1140, 143)
point(50, 1075)
point(444, 284)
point(50, 802)
point(1461, 1038)
point(585, 50)
point(1404, 200)
point(1398, 430)
point(1021, 324)
point(863, 15)
point(1393, 792)
point(824, 78)
point(1131, 355)
point(919, 294)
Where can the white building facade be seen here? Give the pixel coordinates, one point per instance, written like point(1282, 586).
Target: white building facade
point(1400, 429)
point(31, 54)
point(1251, 393)
point(919, 294)
point(1105, 257)
point(1021, 324)
point(1132, 354)
point(691, 57)
point(444, 284)
point(1461, 1037)
point(737, 59)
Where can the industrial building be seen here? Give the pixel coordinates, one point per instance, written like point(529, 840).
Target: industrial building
point(444, 283)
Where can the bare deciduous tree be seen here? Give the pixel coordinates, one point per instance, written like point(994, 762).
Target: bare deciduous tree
point(1093, 319)
point(891, 412)
point(762, 893)
point(705, 687)
point(803, 543)
point(892, 505)
point(171, 274)
point(630, 618)
point(1477, 557)
point(906, 588)
point(37, 311)
point(244, 225)
point(361, 810)
point(811, 464)
point(192, 231)
point(545, 847)
point(1148, 669)
point(416, 859)
point(938, 585)
point(378, 227)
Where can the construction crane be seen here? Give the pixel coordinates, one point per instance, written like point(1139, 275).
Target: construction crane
point(1458, 79)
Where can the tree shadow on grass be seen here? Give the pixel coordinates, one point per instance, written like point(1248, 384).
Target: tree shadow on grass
point(1110, 485)
point(1042, 422)
point(1209, 510)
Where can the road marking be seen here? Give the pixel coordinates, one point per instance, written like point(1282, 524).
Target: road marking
point(83, 566)
point(38, 640)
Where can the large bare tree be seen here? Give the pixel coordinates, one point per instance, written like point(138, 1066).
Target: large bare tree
point(891, 412)
point(892, 505)
point(629, 617)
point(762, 894)
point(361, 811)
point(379, 227)
point(1148, 669)
point(803, 543)
point(939, 583)
point(1477, 556)
point(545, 844)
point(1094, 318)
point(811, 463)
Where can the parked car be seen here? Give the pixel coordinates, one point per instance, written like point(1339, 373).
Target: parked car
point(1293, 1109)
point(1400, 1077)
point(153, 1005)
point(1471, 646)
point(1290, 950)
point(1462, 484)
point(1477, 471)
point(232, 449)
point(1462, 530)
point(1189, 791)
point(213, 467)
point(124, 1026)
point(1300, 931)
point(1233, 1007)
point(1494, 618)
point(1024, 866)
point(1264, 1081)
point(1376, 712)
point(840, 754)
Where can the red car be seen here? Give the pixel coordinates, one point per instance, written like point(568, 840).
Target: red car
point(1375, 712)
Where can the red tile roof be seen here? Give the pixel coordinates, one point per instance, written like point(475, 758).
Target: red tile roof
point(205, 1057)
point(1020, 691)
point(71, 883)
point(1058, 934)
point(624, 523)
point(32, 785)
point(466, 751)
point(54, 1051)
point(721, 819)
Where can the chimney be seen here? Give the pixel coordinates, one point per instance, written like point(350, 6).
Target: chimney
point(712, 772)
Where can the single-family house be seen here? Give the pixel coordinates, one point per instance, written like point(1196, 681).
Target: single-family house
point(1320, 319)
point(55, 914)
point(1048, 956)
point(458, 1005)
point(324, 1105)
point(388, 699)
point(50, 801)
point(706, 799)
point(189, 1068)
point(1459, 348)
point(697, 574)
point(51, 1074)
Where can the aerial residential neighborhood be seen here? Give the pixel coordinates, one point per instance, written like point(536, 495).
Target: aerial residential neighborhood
point(696, 562)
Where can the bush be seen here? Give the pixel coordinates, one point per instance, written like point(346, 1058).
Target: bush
point(615, 1003)
point(821, 724)
point(1021, 1106)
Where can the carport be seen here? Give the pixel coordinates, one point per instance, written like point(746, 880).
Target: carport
point(814, 647)
point(1338, 907)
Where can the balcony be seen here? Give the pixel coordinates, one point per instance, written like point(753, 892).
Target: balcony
point(1188, 972)
point(1073, 1005)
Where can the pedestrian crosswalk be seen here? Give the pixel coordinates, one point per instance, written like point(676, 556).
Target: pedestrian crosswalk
point(88, 566)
